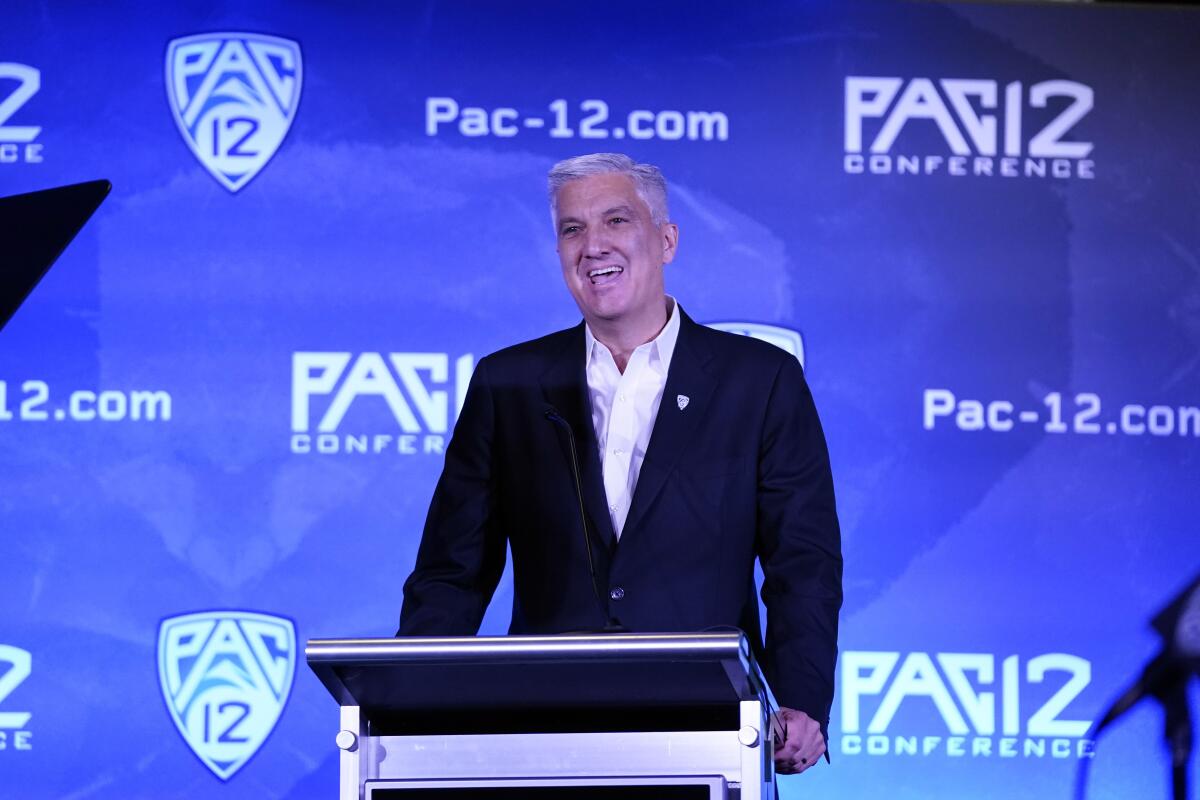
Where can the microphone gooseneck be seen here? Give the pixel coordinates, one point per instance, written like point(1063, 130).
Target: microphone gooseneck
point(610, 624)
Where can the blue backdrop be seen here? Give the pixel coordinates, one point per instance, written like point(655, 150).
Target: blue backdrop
point(221, 414)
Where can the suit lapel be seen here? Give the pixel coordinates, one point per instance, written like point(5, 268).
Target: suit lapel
point(564, 385)
point(674, 426)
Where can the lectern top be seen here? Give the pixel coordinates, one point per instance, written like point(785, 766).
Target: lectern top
point(565, 647)
point(543, 682)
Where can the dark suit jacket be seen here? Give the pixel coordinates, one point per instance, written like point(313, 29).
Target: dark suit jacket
point(741, 471)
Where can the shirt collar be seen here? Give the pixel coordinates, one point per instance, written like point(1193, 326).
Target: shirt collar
point(661, 346)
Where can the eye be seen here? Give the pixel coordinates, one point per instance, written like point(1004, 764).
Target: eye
point(617, 220)
point(569, 230)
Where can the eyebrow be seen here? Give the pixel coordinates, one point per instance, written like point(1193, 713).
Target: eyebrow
point(622, 209)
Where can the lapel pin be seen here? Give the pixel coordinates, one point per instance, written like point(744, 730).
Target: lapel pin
point(682, 400)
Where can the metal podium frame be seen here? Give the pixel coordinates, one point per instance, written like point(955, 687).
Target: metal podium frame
point(612, 707)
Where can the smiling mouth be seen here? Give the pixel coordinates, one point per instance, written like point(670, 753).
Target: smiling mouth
point(604, 274)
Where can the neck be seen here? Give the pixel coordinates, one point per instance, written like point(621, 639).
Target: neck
point(622, 337)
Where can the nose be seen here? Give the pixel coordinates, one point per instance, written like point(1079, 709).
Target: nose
point(595, 243)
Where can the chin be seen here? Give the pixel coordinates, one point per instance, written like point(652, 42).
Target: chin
point(609, 311)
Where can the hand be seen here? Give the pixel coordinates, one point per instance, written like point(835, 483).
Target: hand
point(798, 742)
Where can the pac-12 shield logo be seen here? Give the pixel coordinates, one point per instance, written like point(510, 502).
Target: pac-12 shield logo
point(233, 96)
point(226, 676)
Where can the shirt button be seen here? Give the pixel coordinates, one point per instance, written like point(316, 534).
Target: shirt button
point(618, 452)
point(613, 508)
point(621, 398)
point(616, 593)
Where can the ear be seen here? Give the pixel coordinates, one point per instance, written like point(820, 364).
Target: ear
point(669, 232)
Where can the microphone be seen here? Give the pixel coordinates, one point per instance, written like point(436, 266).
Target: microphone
point(1179, 625)
point(1165, 678)
point(611, 623)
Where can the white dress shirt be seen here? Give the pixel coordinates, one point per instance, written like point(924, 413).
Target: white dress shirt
point(624, 406)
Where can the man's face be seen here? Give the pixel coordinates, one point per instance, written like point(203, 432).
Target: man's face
point(611, 251)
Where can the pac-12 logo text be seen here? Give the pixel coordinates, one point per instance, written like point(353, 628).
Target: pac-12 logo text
point(226, 676)
point(963, 704)
point(18, 83)
point(783, 338)
point(964, 127)
point(15, 666)
point(376, 403)
point(233, 96)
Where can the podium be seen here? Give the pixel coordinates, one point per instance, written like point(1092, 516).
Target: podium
point(595, 717)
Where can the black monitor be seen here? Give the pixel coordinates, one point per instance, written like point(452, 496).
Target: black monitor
point(563, 788)
point(35, 228)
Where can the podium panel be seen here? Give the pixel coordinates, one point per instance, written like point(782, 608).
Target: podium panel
point(608, 716)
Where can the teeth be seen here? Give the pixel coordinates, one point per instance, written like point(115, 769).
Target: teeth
point(605, 271)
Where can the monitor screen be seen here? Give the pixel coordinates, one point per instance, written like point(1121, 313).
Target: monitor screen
point(564, 788)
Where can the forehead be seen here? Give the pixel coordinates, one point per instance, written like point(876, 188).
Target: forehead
point(595, 194)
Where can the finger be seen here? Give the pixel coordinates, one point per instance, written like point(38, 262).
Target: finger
point(813, 742)
point(811, 753)
point(793, 766)
point(807, 746)
point(777, 727)
point(809, 757)
point(786, 751)
point(799, 759)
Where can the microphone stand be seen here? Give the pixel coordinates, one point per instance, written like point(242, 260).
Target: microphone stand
point(1166, 679)
point(1177, 728)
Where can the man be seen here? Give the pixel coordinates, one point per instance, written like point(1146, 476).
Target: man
point(698, 451)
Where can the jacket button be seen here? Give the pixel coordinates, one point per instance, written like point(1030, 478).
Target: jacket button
point(616, 593)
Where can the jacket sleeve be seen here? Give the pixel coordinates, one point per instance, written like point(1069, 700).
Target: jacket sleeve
point(462, 550)
point(799, 547)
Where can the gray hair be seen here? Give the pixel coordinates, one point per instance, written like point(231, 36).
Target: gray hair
point(647, 179)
